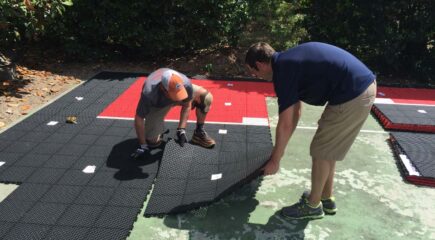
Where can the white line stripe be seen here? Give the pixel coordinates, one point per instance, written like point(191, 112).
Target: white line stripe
point(364, 131)
point(190, 121)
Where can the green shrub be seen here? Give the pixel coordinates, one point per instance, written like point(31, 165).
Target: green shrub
point(393, 37)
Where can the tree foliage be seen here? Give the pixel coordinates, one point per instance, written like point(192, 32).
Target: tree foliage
point(394, 37)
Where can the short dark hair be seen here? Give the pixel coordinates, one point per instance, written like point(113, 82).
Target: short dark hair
point(259, 52)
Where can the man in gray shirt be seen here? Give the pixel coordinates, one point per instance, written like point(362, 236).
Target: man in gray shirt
point(163, 89)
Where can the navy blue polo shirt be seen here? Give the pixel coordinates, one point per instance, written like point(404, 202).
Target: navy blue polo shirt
point(317, 73)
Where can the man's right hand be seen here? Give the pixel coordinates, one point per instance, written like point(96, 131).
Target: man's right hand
point(140, 151)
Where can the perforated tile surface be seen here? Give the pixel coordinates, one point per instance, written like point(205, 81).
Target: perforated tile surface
point(406, 117)
point(419, 149)
point(193, 176)
point(46, 156)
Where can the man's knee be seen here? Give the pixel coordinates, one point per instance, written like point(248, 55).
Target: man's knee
point(204, 101)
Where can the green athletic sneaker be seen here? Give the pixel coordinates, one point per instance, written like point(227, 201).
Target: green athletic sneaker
point(302, 210)
point(329, 206)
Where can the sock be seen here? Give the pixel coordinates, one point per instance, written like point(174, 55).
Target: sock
point(199, 127)
point(311, 206)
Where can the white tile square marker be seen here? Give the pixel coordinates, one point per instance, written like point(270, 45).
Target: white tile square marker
point(227, 104)
point(421, 111)
point(79, 98)
point(216, 176)
point(52, 123)
point(381, 94)
point(223, 131)
point(230, 84)
point(2, 163)
point(89, 169)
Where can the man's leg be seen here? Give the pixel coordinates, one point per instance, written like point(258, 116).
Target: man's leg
point(202, 104)
point(154, 125)
point(322, 178)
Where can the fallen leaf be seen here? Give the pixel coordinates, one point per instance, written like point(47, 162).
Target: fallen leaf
point(9, 111)
point(25, 107)
point(2, 124)
point(55, 89)
point(45, 89)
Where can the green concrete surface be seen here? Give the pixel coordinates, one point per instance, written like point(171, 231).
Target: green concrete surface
point(373, 200)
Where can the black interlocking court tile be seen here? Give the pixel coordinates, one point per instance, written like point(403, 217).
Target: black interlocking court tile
point(10, 158)
point(62, 194)
point(60, 161)
point(142, 180)
point(126, 124)
point(4, 228)
point(35, 136)
point(59, 138)
point(12, 134)
point(95, 130)
point(75, 178)
point(84, 139)
point(44, 213)
point(198, 197)
point(47, 148)
point(170, 186)
point(67, 233)
point(13, 211)
point(70, 128)
point(161, 204)
point(117, 217)
point(108, 140)
point(104, 179)
point(233, 146)
point(200, 170)
point(128, 197)
point(80, 215)
point(201, 185)
point(4, 144)
point(106, 233)
point(408, 114)
point(419, 149)
point(73, 149)
point(16, 174)
point(27, 231)
point(46, 175)
point(98, 151)
point(29, 192)
point(223, 170)
point(95, 195)
point(21, 147)
point(117, 131)
point(85, 161)
point(32, 160)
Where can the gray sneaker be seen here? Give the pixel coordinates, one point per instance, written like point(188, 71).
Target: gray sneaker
point(329, 206)
point(302, 210)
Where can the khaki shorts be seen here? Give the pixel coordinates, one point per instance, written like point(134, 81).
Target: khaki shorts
point(154, 120)
point(340, 124)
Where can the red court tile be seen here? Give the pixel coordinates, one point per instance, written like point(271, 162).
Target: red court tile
point(239, 102)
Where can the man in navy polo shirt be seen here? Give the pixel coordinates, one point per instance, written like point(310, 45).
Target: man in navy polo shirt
point(317, 74)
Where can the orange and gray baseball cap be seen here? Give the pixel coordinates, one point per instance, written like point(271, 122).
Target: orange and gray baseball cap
point(174, 85)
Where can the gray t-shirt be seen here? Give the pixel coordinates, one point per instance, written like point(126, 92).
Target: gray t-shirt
point(153, 97)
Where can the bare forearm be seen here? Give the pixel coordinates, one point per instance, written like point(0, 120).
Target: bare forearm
point(286, 126)
point(184, 116)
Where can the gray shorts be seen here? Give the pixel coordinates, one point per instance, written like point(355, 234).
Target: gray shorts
point(155, 119)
